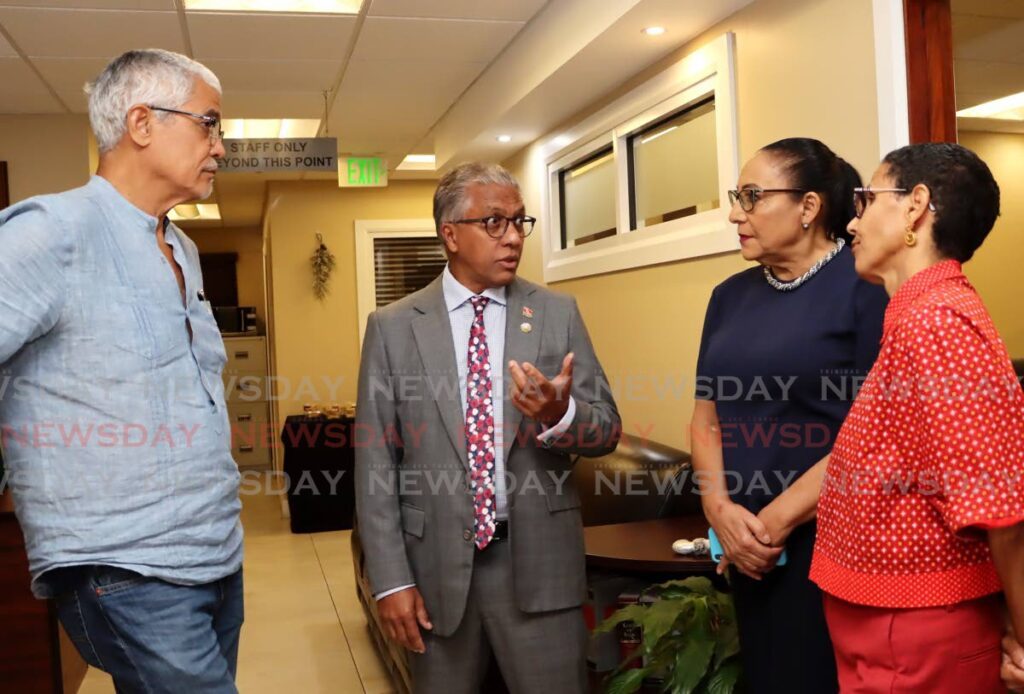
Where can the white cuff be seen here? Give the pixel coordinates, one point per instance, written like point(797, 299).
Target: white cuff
point(399, 589)
point(548, 436)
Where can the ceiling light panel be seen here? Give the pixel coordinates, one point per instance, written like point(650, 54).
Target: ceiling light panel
point(286, 6)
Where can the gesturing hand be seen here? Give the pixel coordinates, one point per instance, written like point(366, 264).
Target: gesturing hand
point(537, 397)
point(402, 614)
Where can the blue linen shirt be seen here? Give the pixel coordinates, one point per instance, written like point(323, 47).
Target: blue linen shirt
point(114, 426)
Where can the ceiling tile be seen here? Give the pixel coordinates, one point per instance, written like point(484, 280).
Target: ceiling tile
point(242, 104)
point(989, 8)
point(987, 38)
point(514, 10)
point(275, 75)
point(436, 40)
point(978, 76)
point(399, 97)
point(167, 5)
point(63, 34)
point(21, 90)
point(68, 76)
point(269, 37)
point(5, 49)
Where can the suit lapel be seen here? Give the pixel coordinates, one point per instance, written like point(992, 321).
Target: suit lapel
point(433, 333)
point(519, 346)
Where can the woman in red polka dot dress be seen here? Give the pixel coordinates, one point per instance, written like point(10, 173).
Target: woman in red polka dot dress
point(920, 545)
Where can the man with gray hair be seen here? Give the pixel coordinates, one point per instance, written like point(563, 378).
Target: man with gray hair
point(469, 522)
point(116, 434)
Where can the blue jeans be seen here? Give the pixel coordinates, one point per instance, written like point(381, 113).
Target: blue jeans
point(152, 636)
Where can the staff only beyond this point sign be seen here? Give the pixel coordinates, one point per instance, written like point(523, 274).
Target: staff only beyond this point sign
point(284, 154)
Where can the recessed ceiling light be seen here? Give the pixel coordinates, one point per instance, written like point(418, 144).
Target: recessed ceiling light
point(654, 31)
point(418, 162)
point(504, 138)
point(291, 6)
point(194, 212)
point(1007, 108)
point(257, 128)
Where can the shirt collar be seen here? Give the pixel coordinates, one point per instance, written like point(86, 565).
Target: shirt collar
point(111, 195)
point(456, 294)
point(916, 286)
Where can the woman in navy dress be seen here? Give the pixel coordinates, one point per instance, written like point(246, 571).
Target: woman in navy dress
point(784, 348)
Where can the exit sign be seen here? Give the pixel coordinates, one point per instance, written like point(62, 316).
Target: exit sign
point(362, 172)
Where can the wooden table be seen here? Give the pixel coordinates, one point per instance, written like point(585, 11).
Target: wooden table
point(646, 546)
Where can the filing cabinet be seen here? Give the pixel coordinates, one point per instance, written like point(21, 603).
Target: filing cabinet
point(246, 389)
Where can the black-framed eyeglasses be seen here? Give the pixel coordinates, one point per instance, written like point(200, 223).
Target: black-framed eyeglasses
point(748, 197)
point(497, 224)
point(211, 123)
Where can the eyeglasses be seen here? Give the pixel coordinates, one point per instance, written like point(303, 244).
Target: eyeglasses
point(211, 123)
point(862, 197)
point(748, 197)
point(497, 224)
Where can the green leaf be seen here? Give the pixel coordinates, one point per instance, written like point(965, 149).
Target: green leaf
point(693, 658)
point(660, 618)
point(693, 584)
point(629, 613)
point(727, 641)
point(723, 680)
point(627, 682)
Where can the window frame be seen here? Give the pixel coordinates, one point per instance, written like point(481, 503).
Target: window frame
point(708, 71)
point(366, 231)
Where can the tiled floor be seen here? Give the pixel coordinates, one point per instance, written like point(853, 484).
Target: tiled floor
point(304, 630)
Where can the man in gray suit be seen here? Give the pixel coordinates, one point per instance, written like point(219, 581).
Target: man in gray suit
point(480, 392)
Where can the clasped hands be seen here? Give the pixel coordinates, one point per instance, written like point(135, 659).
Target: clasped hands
point(1012, 669)
point(751, 543)
point(537, 397)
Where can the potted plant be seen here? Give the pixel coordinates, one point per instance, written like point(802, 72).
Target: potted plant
point(689, 639)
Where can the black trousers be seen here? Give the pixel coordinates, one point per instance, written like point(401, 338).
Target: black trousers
point(784, 640)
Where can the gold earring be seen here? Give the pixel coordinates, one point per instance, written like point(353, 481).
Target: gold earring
point(910, 238)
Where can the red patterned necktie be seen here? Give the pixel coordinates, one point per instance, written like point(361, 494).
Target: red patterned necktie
point(480, 427)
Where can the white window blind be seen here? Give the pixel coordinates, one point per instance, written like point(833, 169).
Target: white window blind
point(402, 266)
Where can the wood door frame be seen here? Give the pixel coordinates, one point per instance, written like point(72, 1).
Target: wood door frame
point(931, 99)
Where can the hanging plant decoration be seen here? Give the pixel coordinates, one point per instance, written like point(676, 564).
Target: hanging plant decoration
point(323, 265)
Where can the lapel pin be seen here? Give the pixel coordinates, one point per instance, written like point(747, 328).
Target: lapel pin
point(526, 327)
point(527, 312)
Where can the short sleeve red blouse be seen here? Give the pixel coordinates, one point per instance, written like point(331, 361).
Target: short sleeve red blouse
point(930, 455)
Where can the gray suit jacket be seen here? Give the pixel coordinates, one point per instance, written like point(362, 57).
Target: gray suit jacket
point(414, 509)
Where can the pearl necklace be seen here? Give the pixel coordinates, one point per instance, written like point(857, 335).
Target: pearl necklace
point(794, 284)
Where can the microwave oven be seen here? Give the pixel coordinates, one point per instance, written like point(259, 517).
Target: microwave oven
point(233, 320)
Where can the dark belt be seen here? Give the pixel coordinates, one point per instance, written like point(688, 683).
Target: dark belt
point(500, 531)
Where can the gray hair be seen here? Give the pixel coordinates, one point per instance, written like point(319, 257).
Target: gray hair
point(450, 196)
point(149, 76)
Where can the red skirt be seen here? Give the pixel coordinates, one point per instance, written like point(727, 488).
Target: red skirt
point(939, 650)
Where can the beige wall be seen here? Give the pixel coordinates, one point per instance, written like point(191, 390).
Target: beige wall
point(248, 244)
point(996, 268)
point(316, 344)
point(794, 76)
point(44, 154)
